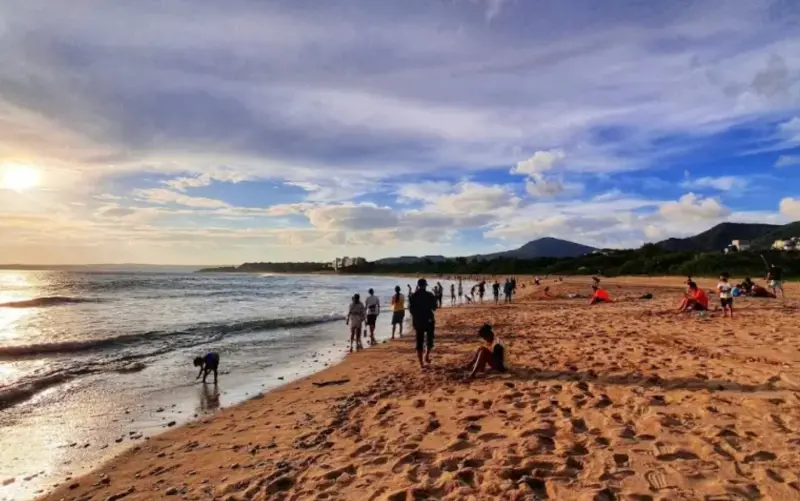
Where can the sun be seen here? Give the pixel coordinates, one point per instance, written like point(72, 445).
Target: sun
point(18, 177)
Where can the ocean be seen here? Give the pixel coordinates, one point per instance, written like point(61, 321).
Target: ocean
point(94, 362)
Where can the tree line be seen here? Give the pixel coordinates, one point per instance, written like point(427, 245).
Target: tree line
point(647, 260)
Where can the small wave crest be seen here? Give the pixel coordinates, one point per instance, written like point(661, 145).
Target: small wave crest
point(194, 335)
point(40, 302)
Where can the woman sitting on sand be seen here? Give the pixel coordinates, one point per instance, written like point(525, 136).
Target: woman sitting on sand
point(694, 300)
point(492, 353)
point(356, 316)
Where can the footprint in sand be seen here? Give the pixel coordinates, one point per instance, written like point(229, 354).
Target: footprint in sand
point(657, 480)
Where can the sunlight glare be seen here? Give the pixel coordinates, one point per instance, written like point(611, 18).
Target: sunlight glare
point(19, 177)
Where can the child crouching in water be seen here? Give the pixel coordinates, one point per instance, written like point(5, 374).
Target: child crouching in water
point(492, 354)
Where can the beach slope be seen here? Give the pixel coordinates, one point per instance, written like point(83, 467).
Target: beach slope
point(617, 401)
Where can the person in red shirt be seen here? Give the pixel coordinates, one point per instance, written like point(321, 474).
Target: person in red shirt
point(694, 300)
point(599, 296)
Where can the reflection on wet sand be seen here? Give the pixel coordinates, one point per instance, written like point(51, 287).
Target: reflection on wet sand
point(209, 397)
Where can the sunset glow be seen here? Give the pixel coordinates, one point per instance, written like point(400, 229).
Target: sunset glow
point(19, 177)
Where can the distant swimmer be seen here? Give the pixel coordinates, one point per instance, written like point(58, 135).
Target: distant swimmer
point(491, 355)
point(398, 310)
point(208, 363)
point(355, 317)
point(694, 300)
point(496, 291)
point(373, 306)
point(452, 294)
point(599, 296)
point(422, 305)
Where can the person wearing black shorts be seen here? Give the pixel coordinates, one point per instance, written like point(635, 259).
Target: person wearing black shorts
point(208, 363)
point(398, 310)
point(422, 304)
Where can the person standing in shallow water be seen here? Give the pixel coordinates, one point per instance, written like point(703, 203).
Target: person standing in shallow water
point(452, 294)
point(439, 294)
point(460, 291)
point(422, 305)
point(398, 310)
point(496, 291)
point(355, 317)
point(373, 305)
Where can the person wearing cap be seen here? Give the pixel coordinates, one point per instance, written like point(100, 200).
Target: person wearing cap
point(373, 305)
point(422, 304)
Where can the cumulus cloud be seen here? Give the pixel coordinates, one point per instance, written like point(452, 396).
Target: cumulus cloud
point(541, 161)
point(787, 161)
point(693, 207)
point(790, 207)
point(722, 183)
point(352, 217)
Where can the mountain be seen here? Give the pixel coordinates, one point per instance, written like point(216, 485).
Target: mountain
point(720, 236)
point(543, 247)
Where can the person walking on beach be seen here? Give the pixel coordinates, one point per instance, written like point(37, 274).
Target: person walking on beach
point(452, 294)
point(460, 291)
point(507, 290)
point(496, 291)
point(775, 280)
point(355, 317)
point(398, 310)
point(725, 291)
point(373, 305)
point(208, 363)
point(422, 304)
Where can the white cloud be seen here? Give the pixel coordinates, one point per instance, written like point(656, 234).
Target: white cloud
point(352, 217)
point(541, 161)
point(790, 208)
point(163, 196)
point(791, 130)
point(722, 183)
point(475, 198)
point(787, 161)
point(692, 207)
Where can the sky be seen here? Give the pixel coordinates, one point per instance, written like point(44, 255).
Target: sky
point(208, 132)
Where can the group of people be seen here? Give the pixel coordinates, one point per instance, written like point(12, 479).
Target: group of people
point(422, 305)
point(695, 299)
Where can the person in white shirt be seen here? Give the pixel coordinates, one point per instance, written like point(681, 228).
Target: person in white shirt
point(355, 317)
point(373, 305)
point(725, 290)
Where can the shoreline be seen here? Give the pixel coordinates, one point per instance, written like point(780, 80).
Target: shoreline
point(397, 433)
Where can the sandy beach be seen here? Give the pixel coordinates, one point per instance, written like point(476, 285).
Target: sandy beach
point(621, 401)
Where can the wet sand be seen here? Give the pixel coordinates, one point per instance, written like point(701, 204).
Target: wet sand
point(618, 401)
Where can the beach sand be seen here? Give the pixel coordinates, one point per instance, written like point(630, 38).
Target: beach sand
point(618, 401)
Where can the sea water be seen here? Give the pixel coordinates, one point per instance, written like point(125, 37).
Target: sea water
point(94, 362)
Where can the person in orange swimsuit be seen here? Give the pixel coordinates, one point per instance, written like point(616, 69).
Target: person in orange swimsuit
point(599, 296)
point(694, 300)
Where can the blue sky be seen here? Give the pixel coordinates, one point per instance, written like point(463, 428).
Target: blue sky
point(205, 132)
